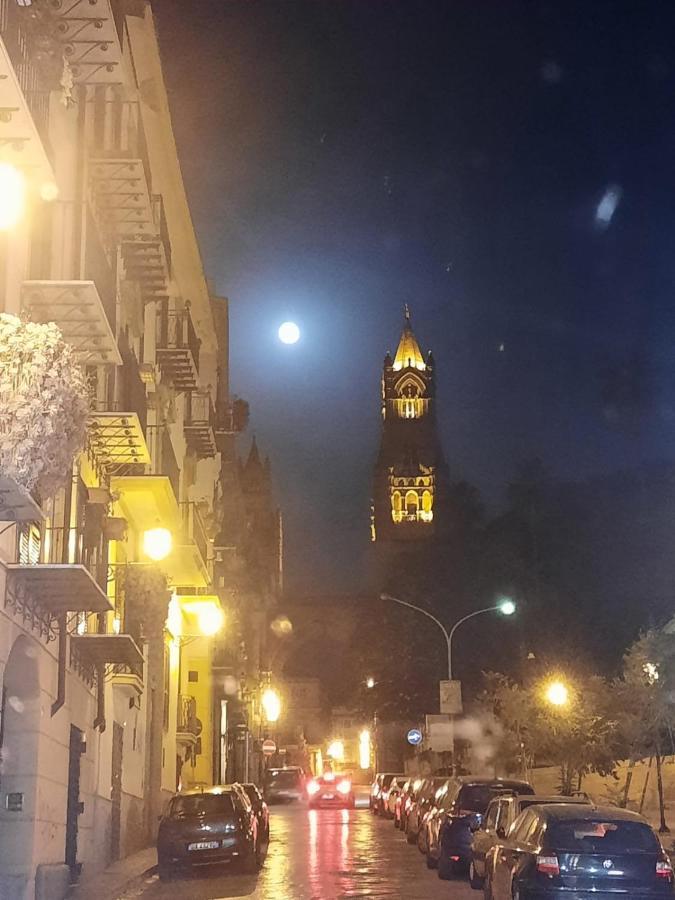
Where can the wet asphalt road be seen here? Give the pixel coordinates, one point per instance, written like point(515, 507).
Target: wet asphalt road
point(323, 854)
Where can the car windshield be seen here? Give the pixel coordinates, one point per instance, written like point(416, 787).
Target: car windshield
point(201, 804)
point(601, 836)
point(283, 778)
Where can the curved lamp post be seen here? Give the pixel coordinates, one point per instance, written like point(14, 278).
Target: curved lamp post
point(506, 607)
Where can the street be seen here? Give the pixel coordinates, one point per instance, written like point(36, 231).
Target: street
point(322, 854)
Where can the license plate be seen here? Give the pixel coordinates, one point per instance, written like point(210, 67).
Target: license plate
point(204, 845)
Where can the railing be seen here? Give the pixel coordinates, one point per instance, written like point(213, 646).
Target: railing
point(232, 416)
point(187, 715)
point(162, 456)
point(176, 331)
point(29, 33)
point(118, 132)
point(195, 529)
point(199, 409)
point(162, 226)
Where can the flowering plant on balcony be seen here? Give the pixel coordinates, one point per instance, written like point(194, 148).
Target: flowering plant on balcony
point(43, 404)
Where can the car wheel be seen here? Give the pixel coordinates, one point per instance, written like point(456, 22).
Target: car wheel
point(251, 863)
point(410, 836)
point(487, 889)
point(475, 880)
point(165, 871)
point(446, 868)
point(431, 862)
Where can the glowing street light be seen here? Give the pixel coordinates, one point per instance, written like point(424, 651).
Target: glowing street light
point(557, 693)
point(157, 543)
point(364, 749)
point(336, 750)
point(271, 704)
point(507, 607)
point(12, 196)
point(370, 682)
point(210, 619)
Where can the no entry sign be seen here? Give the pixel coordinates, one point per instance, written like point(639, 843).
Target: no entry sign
point(269, 747)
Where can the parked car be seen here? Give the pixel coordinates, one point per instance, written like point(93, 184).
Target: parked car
point(569, 850)
point(421, 802)
point(404, 802)
point(261, 810)
point(284, 785)
point(206, 827)
point(331, 789)
point(393, 794)
point(499, 816)
point(379, 789)
point(459, 809)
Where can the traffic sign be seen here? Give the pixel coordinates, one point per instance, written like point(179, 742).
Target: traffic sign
point(269, 747)
point(414, 736)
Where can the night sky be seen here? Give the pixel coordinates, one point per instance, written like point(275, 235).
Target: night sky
point(506, 168)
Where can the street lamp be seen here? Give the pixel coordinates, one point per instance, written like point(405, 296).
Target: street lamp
point(557, 693)
point(271, 704)
point(336, 750)
point(370, 682)
point(157, 543)
point(506, 607)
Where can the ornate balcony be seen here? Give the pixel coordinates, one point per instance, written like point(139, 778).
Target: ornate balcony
point(232, 416)
point(16, 504)
point(117, 436)
point(91, 39)
point(178, 347)
point(77, 309)
point(116, 654)
point(24, 89)
point(199, 424)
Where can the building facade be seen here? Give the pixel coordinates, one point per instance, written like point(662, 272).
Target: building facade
point(112, 586)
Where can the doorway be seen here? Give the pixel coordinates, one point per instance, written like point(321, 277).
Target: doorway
point(74, 808)
point(116, 791)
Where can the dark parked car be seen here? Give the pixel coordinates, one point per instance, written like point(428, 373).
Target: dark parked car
point(379, 791)
point(571, 851)
point(404, 802)
point(459, 811)
point(331, 789)
point(394, 792)
point(205, 827)
point(284, 785)
point(500, 815)
point(257, 801)
point(422, 801)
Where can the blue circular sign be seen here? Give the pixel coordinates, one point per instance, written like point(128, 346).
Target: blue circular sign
point(414, 736)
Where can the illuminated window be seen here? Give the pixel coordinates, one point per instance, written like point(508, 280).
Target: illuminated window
point(412, 502)
point(426, 513)
point(396, 506)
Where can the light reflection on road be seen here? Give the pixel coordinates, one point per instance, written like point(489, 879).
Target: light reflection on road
point(320, 854)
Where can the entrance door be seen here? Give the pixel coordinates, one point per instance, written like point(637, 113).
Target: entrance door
point(74, 808)
point(116, 790)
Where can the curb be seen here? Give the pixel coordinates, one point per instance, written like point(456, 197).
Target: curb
point(93, 892)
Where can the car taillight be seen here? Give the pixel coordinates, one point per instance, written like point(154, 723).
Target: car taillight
point(344, 786)
point(312, 787)
point(664, 869)
point(548, 865)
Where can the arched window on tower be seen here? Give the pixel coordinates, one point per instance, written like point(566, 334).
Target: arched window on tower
point(427, 512)
point(412, 504)
point(396, 506)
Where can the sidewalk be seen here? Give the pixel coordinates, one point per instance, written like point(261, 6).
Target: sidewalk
point(117, 878)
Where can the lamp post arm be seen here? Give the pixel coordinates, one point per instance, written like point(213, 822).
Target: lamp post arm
point(420, 610)
point(476, 612)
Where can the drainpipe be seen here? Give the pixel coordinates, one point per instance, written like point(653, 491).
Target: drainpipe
point(63, 618)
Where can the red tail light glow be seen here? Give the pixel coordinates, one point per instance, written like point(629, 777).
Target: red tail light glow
point(664, 869)
point(548, 865)
point(344, 786)
point(313, 787)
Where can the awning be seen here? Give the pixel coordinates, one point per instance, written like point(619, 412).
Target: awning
point(20, 142)
point(77, 309)
point(117, 438)
point(108, 649)
point(146, 500)
point(91, 43)
point(59, 588)
point(16, 504)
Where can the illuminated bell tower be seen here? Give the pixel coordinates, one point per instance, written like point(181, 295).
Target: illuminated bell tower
point(410, 473)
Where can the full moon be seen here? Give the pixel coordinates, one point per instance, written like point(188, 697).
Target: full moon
point(289, 333)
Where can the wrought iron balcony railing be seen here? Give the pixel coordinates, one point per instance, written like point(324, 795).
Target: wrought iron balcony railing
point(178, 347)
